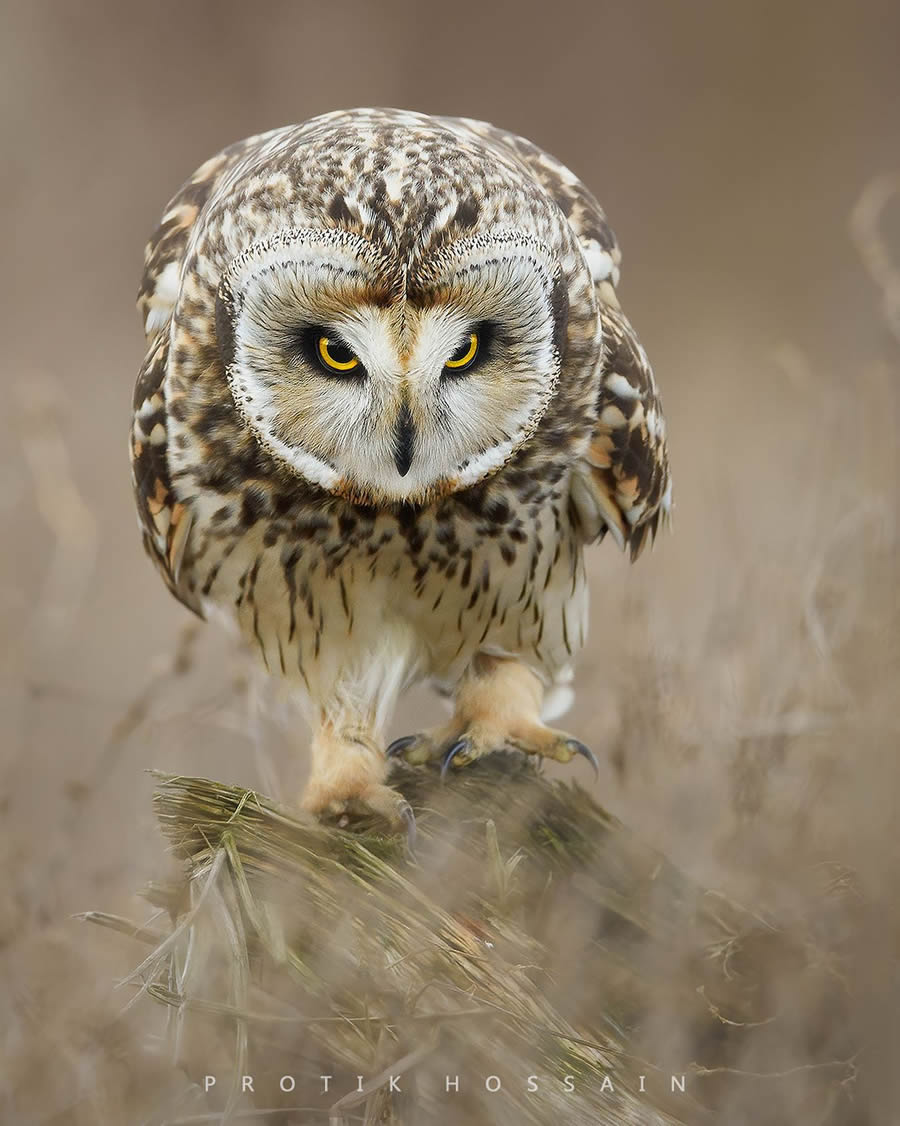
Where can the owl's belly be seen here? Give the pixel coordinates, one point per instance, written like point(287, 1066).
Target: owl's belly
point(533, 608)
point(369, 616)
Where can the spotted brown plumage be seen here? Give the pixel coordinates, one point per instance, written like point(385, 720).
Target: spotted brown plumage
point(624, 484)
point(310, 460)
point(165, 521)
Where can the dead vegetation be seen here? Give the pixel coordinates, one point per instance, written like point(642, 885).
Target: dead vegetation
point(531, 937)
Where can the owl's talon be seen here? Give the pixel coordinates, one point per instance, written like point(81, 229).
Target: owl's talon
point(461, 746)
point(400, 745)
point(580, 749)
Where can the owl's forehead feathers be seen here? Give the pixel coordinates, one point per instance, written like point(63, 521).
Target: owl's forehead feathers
point(408, 184)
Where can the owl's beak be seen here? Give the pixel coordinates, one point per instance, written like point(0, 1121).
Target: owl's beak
point(404, 441)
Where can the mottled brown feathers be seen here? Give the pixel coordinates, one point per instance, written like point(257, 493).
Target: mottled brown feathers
point(165, 521)
point(367, 532)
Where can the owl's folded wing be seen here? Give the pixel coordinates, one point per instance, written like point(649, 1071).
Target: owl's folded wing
point(622, 483)
point(165, 522)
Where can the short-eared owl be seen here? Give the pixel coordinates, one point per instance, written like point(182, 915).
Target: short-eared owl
point(389, 396)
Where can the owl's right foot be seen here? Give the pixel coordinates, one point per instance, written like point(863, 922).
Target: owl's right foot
point(346, 783)
point(384, 802)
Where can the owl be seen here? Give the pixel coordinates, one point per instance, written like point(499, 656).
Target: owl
point(388, 399)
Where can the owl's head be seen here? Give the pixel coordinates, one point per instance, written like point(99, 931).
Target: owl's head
point(386, 383)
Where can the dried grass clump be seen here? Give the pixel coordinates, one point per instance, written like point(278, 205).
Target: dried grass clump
point(531, 935)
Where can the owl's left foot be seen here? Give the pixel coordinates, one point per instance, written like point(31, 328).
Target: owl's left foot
point(463, 747)
point(498, 705)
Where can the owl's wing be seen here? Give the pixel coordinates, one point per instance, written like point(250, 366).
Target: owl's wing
point(622, 484)
point(165, 522)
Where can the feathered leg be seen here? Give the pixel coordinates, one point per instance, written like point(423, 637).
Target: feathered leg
point(347, 777)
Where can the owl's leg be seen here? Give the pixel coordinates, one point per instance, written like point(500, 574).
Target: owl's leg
point(498, 704)
point(347, 777)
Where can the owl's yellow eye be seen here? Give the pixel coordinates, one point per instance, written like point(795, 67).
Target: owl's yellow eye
point(465, 354)
point(335, 355)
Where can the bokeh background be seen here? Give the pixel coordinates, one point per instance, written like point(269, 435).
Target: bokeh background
point(740, 685)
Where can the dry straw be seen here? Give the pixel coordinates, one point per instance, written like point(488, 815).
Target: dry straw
point(530, 936)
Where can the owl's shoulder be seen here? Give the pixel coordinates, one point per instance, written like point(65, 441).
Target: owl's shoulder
point(582, 210)
point(165, 251)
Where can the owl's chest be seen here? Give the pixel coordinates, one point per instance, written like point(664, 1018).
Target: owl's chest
point(432, 570)
point(326, 586)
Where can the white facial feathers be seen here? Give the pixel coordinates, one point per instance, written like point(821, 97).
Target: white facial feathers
point(400, 426)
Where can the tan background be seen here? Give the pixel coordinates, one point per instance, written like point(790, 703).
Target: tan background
point(740, 682)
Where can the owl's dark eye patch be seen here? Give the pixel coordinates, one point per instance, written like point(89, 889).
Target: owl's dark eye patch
point(472, 351)
point(322, 348)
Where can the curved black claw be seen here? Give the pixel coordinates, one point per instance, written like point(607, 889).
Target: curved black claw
point(399, 745)
point(458, 747)
point(580, 749)
point(406, 814)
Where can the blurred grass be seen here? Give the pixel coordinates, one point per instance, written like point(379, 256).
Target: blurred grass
point(532, 934)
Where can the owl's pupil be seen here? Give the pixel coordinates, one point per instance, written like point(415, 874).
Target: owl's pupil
point(471, 350)
point(339, 352)
point(321, 349)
